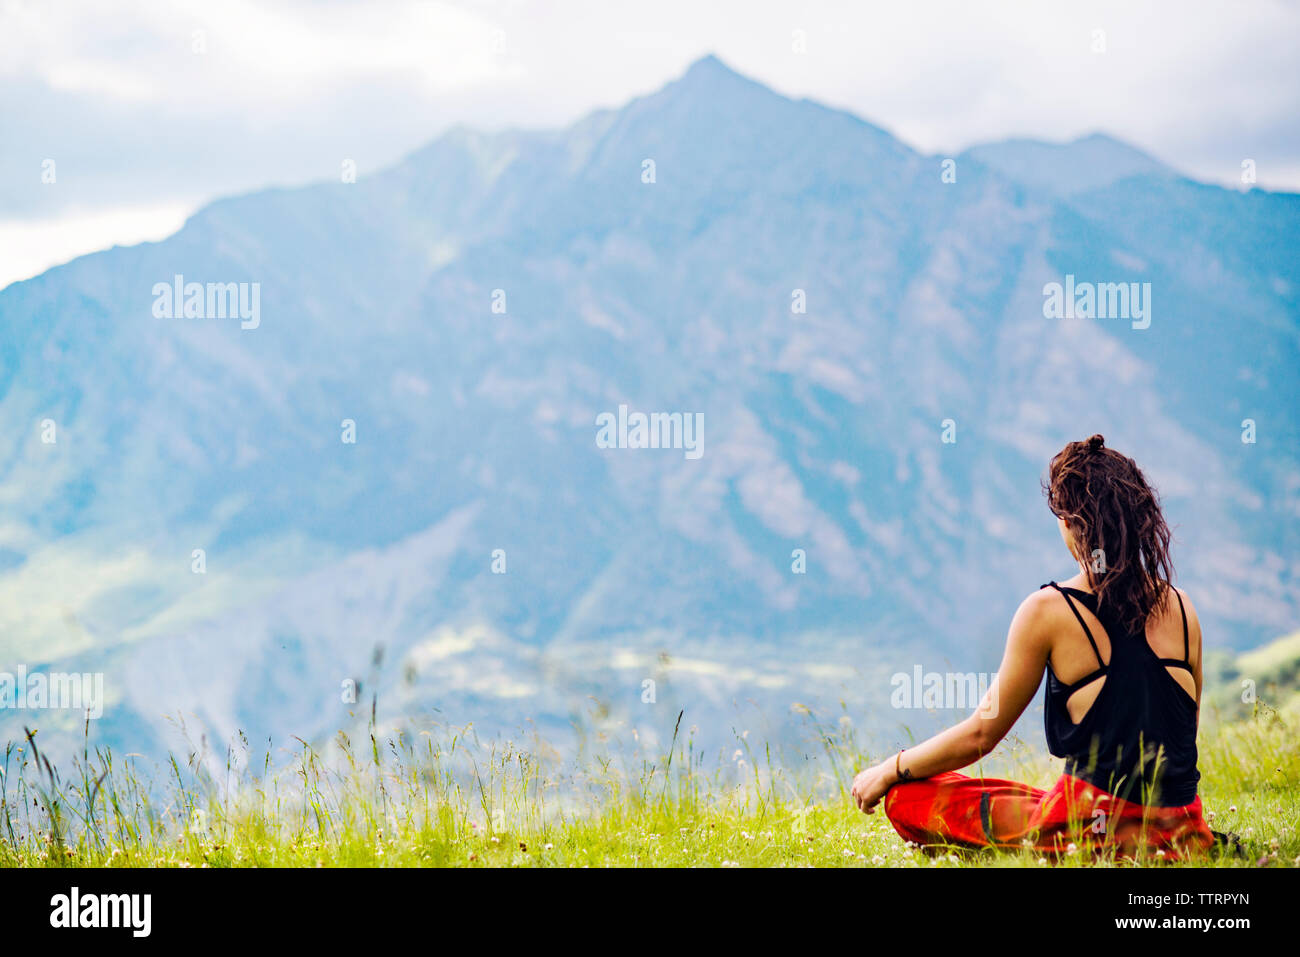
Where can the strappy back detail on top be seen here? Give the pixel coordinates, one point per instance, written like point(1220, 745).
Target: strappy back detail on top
point(1184, 662)
point(1092, 676)
point(1138, 738)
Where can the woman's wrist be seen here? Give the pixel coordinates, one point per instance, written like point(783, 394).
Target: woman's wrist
point(888, 771)
point(899, 773)
point(890, 774)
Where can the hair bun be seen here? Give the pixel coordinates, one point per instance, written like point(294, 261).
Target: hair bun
point(1095, 443)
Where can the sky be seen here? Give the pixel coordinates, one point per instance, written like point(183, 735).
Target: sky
point(118, 120)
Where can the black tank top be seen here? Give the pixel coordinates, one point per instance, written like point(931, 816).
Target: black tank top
point(1138, 739)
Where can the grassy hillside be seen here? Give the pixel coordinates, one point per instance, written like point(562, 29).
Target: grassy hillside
point(408, 799)
point(1266, 678)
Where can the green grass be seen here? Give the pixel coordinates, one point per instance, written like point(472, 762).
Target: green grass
point(409, 799)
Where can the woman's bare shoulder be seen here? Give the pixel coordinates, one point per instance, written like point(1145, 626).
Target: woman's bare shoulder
point(1187, 601)
point(1040, 610)
point(1193, 621)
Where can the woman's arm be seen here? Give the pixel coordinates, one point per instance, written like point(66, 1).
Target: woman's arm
point(1194, 649)
point(1028, 645)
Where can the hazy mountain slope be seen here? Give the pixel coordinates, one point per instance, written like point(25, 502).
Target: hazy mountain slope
point(1065, 169)
point(476, 429)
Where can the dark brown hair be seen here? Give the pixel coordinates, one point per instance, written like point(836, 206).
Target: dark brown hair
point(1119, 532)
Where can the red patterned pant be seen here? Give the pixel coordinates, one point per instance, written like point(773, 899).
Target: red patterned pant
point(953, 809)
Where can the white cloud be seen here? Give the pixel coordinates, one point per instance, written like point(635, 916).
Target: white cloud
point(239, 50)
point(285, 89)
point(28, 248)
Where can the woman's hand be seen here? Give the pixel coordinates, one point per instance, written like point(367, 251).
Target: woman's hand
point(873, 784)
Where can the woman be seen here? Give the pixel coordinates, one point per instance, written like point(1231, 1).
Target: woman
point(1122, 652)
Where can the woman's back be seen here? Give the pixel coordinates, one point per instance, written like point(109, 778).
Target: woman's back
point(1121, 707)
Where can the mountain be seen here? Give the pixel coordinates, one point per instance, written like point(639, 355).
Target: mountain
point(1066, 169)
point(473, 310)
